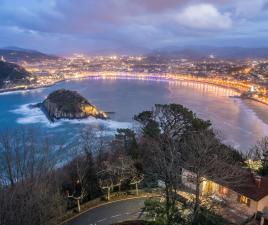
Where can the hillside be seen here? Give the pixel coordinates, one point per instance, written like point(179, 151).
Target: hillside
point(12, 75)
point(17, 55)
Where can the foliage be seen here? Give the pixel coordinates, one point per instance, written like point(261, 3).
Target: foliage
point(157, 211)
point(208, 217)
point(263, 171)
point(181, 216)
point(138, 222)
point(173, 117)
point(172, 138)
point(12, 73)
point(127, 141)
point(67, 101)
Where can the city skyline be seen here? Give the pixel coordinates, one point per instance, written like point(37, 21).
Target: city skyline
point(63, 27)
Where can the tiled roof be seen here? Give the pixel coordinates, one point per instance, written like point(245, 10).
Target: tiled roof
point(252, 190)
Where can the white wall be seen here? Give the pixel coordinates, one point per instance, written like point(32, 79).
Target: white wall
point(263, 205)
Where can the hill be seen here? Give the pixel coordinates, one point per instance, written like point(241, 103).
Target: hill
point(17, 55)
point(12, 75)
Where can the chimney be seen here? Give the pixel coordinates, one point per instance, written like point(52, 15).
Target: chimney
point(257, 179)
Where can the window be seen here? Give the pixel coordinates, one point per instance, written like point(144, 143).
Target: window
point(190, 179)
point(223, 191)
point(244, 200)
point(210, 187)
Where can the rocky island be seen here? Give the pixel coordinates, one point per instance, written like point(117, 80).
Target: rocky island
point(66, 104)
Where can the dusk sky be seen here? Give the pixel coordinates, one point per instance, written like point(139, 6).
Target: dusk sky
point(131, 26)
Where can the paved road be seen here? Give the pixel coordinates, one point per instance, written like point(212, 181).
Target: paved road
point(111, 213)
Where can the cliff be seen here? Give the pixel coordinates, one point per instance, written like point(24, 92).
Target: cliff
point(66, 104)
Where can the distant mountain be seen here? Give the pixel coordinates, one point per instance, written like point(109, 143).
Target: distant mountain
point(18, 55)
point(12, 75)
point(15, 48)
point(203, 52)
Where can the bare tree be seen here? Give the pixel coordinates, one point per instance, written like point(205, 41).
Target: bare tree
point(260, 150)
point(207, 159)
point(136, 178)
point(117, 169)
point(257, 157)
point(29, 190)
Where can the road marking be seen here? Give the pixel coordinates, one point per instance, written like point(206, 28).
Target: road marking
point(115, 215)
point(99, 221)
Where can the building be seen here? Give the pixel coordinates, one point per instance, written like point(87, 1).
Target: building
point(251, 198)
point(2, 59)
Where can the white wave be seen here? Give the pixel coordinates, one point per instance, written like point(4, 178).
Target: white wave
point(29, 115)
point(23, 92)
point(110, 124)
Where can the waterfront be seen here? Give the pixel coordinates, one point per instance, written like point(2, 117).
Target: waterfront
point(242, 122)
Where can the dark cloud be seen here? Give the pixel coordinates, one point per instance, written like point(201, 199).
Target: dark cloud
point(99, 25)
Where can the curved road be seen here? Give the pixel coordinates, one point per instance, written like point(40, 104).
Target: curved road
point(111, 213)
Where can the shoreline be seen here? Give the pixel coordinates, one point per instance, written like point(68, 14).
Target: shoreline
point(114, 75)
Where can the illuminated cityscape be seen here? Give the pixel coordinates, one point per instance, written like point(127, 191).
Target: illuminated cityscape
point(241, 75)
point(133, 112)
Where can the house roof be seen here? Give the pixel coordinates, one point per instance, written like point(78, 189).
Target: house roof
point(249, 184)
point(252, 190)
point(246, 185)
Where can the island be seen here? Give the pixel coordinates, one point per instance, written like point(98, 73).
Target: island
point(67, 104)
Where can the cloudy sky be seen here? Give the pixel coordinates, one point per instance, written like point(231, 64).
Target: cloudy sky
point(65, 26)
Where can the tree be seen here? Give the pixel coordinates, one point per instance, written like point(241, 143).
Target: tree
point(117, 169)
point(29, 188)
point(207, 159)
point(258, 156)
point(163, 129)
point(125, 139)
point(82, 169)
point(135, 179)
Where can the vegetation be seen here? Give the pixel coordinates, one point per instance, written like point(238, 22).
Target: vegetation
point(139, 222)
point(67, 101)
point(29, 187)
point(171, 138)
point(15, 54)
point(259, 157)
point(69, 104)
point(12, 74)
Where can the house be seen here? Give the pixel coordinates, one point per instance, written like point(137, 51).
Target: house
point(252, 197)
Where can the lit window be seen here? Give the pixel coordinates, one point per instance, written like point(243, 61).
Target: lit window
point(223, 191)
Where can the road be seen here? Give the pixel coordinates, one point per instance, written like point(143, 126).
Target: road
point(111, 213)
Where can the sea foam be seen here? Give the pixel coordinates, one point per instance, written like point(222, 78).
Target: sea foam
point(32, 115)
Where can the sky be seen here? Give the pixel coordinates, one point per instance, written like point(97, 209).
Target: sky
point(131, 26)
